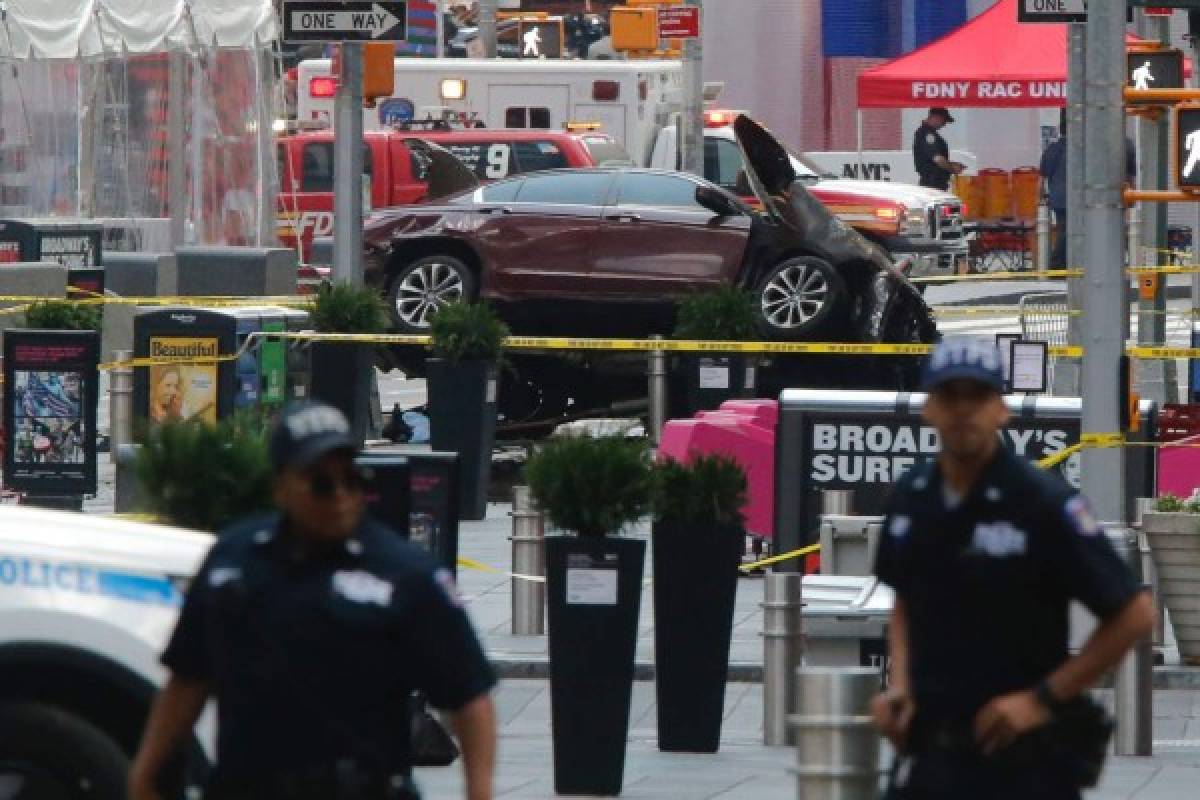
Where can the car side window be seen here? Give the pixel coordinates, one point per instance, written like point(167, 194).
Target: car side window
point(650, 189)
point(722, 162)
point(537, 156)
point(317, 166)
point(568, 189)
point(503, 192)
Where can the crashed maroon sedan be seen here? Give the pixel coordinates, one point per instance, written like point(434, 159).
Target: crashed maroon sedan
point(624, 240)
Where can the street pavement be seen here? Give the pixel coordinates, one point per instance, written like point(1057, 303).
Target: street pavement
point(744, 768)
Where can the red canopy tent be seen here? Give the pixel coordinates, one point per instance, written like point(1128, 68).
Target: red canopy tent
point(992, 61)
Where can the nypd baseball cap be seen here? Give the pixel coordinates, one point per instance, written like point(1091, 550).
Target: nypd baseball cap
point(306, 431)
point(964, 358)
point(943, 111)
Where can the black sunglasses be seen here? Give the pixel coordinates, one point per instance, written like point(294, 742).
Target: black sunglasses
point(323, 485)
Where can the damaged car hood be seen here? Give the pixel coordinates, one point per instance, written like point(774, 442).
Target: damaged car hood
point(445, 173)
point(781, 190)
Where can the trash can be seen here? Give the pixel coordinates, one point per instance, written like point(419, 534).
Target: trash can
point(848, 544)
point(845, 621)
point(175, 389)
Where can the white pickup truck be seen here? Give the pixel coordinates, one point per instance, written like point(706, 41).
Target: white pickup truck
point(86, 606)
point(920, 228)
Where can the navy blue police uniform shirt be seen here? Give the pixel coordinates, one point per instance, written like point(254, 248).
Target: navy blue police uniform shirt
point(987, 584)
point(313, 658)
point(928, 143)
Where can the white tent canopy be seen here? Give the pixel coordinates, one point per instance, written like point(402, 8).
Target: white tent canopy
point(71, 29)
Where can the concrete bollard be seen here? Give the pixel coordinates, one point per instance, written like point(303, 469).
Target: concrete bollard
point(656, 376)
point(837, 502)
point(837, 749)
point(528, 558)
point(783, 646)
point(120, 405)
point(1133, 681)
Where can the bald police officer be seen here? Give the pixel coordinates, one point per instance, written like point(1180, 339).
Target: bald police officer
point(931, 154)
point(985, 552)
point(311, 628)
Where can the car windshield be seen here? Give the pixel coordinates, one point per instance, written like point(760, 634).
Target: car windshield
point(607, 153)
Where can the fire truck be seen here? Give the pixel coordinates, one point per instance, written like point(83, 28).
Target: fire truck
point(395, 173)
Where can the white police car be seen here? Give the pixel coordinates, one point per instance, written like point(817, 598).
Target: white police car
point(86, 606)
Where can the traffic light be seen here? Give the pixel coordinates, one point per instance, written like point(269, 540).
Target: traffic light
point(540, 38)
point(379, 71)
point(1154, 68)
point(1187, 147)
point(634, 28)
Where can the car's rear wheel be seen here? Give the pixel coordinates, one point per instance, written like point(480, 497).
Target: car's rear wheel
point(798, 298)
point(419, 289)
point(49, 754)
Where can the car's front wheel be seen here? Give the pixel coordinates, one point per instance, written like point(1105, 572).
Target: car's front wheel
point(49, 754)
point(798, 298)
point(419, 289)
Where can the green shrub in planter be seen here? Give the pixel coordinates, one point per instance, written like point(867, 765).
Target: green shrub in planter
point(710, 490)
point(203, 476)
point(467, 332)
point(344, 308)
point(1173, 504)
point(62, 315)
point(698, 542)
point(594, 487)
point(724, 314)
point(702, 381)
point(1173, 532)
point(342, 372)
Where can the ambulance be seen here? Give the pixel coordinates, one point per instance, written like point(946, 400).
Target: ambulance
point(628, 100)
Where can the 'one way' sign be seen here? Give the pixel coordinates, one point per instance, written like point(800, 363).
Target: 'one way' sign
point(1052, 11)
point(335, 21)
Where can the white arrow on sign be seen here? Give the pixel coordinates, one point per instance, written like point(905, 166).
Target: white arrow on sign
point(377, 21)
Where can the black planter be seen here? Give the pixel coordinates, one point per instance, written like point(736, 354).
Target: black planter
point(695, 585)
point(462, 419)
point(703, 381)
point(594, 590)
point(341, 374)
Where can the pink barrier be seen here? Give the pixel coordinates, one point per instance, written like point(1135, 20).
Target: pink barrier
point(745, 431)
point(1179, 468)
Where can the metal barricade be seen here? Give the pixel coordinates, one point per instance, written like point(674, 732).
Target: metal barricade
point(783, 643)
point(1044, 317)
point(837, 749)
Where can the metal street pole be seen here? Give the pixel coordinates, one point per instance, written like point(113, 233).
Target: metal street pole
point(439, 49)
point(1104, 282)
point(487, 27)
point(1154, 377)
point(1066, 374)
point(177, 205)
point(693, 109)
point(348, 168)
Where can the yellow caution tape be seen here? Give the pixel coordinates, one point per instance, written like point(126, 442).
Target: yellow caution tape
point(1086, 442)
point(766, 562)
point(479, 566)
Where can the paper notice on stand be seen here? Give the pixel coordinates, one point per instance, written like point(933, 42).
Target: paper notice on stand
point(713, 377)
point(591, 587)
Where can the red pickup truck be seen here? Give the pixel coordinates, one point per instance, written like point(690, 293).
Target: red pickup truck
point(394, 176)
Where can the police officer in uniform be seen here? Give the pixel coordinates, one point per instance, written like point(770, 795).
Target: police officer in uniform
point(931, 154)
point(985, 552)
point(311, 628)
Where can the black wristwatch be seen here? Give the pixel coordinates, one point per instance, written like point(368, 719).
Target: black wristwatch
point(1045, 696)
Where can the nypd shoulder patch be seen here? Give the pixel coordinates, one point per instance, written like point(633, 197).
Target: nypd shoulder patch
point(1083, 519)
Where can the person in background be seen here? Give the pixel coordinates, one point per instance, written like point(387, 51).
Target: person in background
point(1053, 169)
point(931, 154)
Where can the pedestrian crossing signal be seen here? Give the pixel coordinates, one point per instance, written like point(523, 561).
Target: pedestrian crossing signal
point(540, 38)
point(1187, 147)
point(1159, 68)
